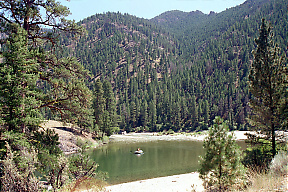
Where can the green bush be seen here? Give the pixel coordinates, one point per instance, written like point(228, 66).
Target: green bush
point(259, 156)
point(170, 132)
point(105, 139)
point(83, 144)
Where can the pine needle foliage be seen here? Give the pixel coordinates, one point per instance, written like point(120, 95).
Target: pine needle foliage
point(18, 77)
point(221, 167)
point(268, 86)
point(32, 79)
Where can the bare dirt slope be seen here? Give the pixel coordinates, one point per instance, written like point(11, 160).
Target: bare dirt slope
point(68, 135)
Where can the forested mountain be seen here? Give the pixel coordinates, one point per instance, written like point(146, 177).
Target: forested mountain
point(178, 70)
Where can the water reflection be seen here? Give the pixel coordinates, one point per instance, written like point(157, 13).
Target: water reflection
point(160, 158)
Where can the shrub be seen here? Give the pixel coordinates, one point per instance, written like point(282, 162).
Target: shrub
point(170, 132)
point(85, 184)
point(260, 181)
point(279, 164)
point(18, 170)
point(83, 144)
point(259, 156)
point(105, 139)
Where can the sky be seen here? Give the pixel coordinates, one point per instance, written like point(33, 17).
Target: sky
point(147, 9)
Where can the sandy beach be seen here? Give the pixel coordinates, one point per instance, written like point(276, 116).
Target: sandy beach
point(147, 137)
point(175, 183)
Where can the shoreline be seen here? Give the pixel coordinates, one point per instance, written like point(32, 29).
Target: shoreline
point(174, 183)
point(182, 182)
point(147, 137)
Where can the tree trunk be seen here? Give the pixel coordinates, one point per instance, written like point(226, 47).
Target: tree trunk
point(27, 18)
point(273, 139)
point(220, 170)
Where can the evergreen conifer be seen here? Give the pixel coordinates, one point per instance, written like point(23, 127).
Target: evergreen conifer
point(268, 84)
point(221, 167)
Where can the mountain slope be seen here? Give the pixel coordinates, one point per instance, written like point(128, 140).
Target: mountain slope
point(115, 41)
point(179, 70)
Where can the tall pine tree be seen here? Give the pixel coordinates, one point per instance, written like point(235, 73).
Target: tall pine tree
point(18, 77)
point(62, 80)
point(110, 115)
point(268, 83)
point(99, 105)
point(32, 79)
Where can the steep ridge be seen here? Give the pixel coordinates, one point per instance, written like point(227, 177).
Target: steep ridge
point(178, 70)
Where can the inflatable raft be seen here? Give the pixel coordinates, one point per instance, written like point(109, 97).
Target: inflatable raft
point(138, 152)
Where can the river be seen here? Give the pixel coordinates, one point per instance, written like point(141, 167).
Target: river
point(160, 158)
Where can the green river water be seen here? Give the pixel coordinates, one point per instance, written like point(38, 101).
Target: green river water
point(160, 158)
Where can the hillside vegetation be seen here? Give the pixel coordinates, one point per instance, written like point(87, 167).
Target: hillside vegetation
point(178, 70)
point(111, 72)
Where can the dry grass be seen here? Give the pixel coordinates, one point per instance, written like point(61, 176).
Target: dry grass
point(85, 184)
point(267, 182)
point(277, 177)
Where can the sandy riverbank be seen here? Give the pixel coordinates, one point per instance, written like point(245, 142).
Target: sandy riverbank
point(147, 137)
point(175, 183)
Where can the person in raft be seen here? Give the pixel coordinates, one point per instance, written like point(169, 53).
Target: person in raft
point(139, 151)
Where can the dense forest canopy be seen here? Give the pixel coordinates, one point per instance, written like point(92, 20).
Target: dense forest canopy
point(178, 70)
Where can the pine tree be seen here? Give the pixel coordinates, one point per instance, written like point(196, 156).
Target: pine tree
point(133, 114)
point(34, 15)
point(194, 112)
point(21, 116)
point(152, 115)
point(62, 80)
point(18, 76)
point(32, 79)
point(144, 113)
point(110, 107)
point(267, 80)
point(98, 105)
point(206, 112)
point(221, 167)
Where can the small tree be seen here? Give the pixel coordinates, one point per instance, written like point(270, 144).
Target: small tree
point(221, 168)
